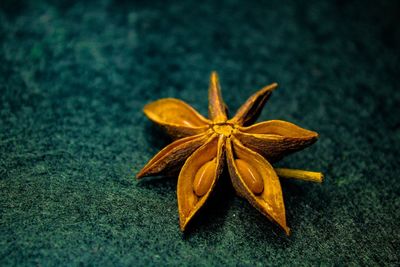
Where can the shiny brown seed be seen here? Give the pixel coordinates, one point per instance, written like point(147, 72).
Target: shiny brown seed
point(250, 176)
point(203, 178)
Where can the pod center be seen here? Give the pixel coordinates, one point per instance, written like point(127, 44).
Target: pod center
point(224, 129)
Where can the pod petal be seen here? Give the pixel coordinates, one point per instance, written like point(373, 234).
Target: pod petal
point(171, 158)
point(198, 177)
point(251, 109)
point(216, 106)
point(176, 117)
point(270, 200)
point(275, 139)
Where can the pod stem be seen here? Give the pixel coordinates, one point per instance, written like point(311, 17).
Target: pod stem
point(317, 177)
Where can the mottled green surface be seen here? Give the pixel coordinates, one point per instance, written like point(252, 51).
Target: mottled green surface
point(75, 76)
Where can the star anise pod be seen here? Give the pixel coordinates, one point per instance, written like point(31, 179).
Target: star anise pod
point(203, 145)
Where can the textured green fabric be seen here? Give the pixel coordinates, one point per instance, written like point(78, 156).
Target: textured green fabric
point(73, 81)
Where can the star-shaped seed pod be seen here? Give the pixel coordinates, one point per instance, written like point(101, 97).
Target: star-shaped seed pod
point(202, 147)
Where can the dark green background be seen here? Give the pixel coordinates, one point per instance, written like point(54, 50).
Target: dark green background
point(74, 78)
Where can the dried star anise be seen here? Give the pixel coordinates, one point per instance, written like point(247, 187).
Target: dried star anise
point(203, 144)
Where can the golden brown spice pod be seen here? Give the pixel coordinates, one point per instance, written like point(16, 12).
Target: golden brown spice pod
point(202, 146)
